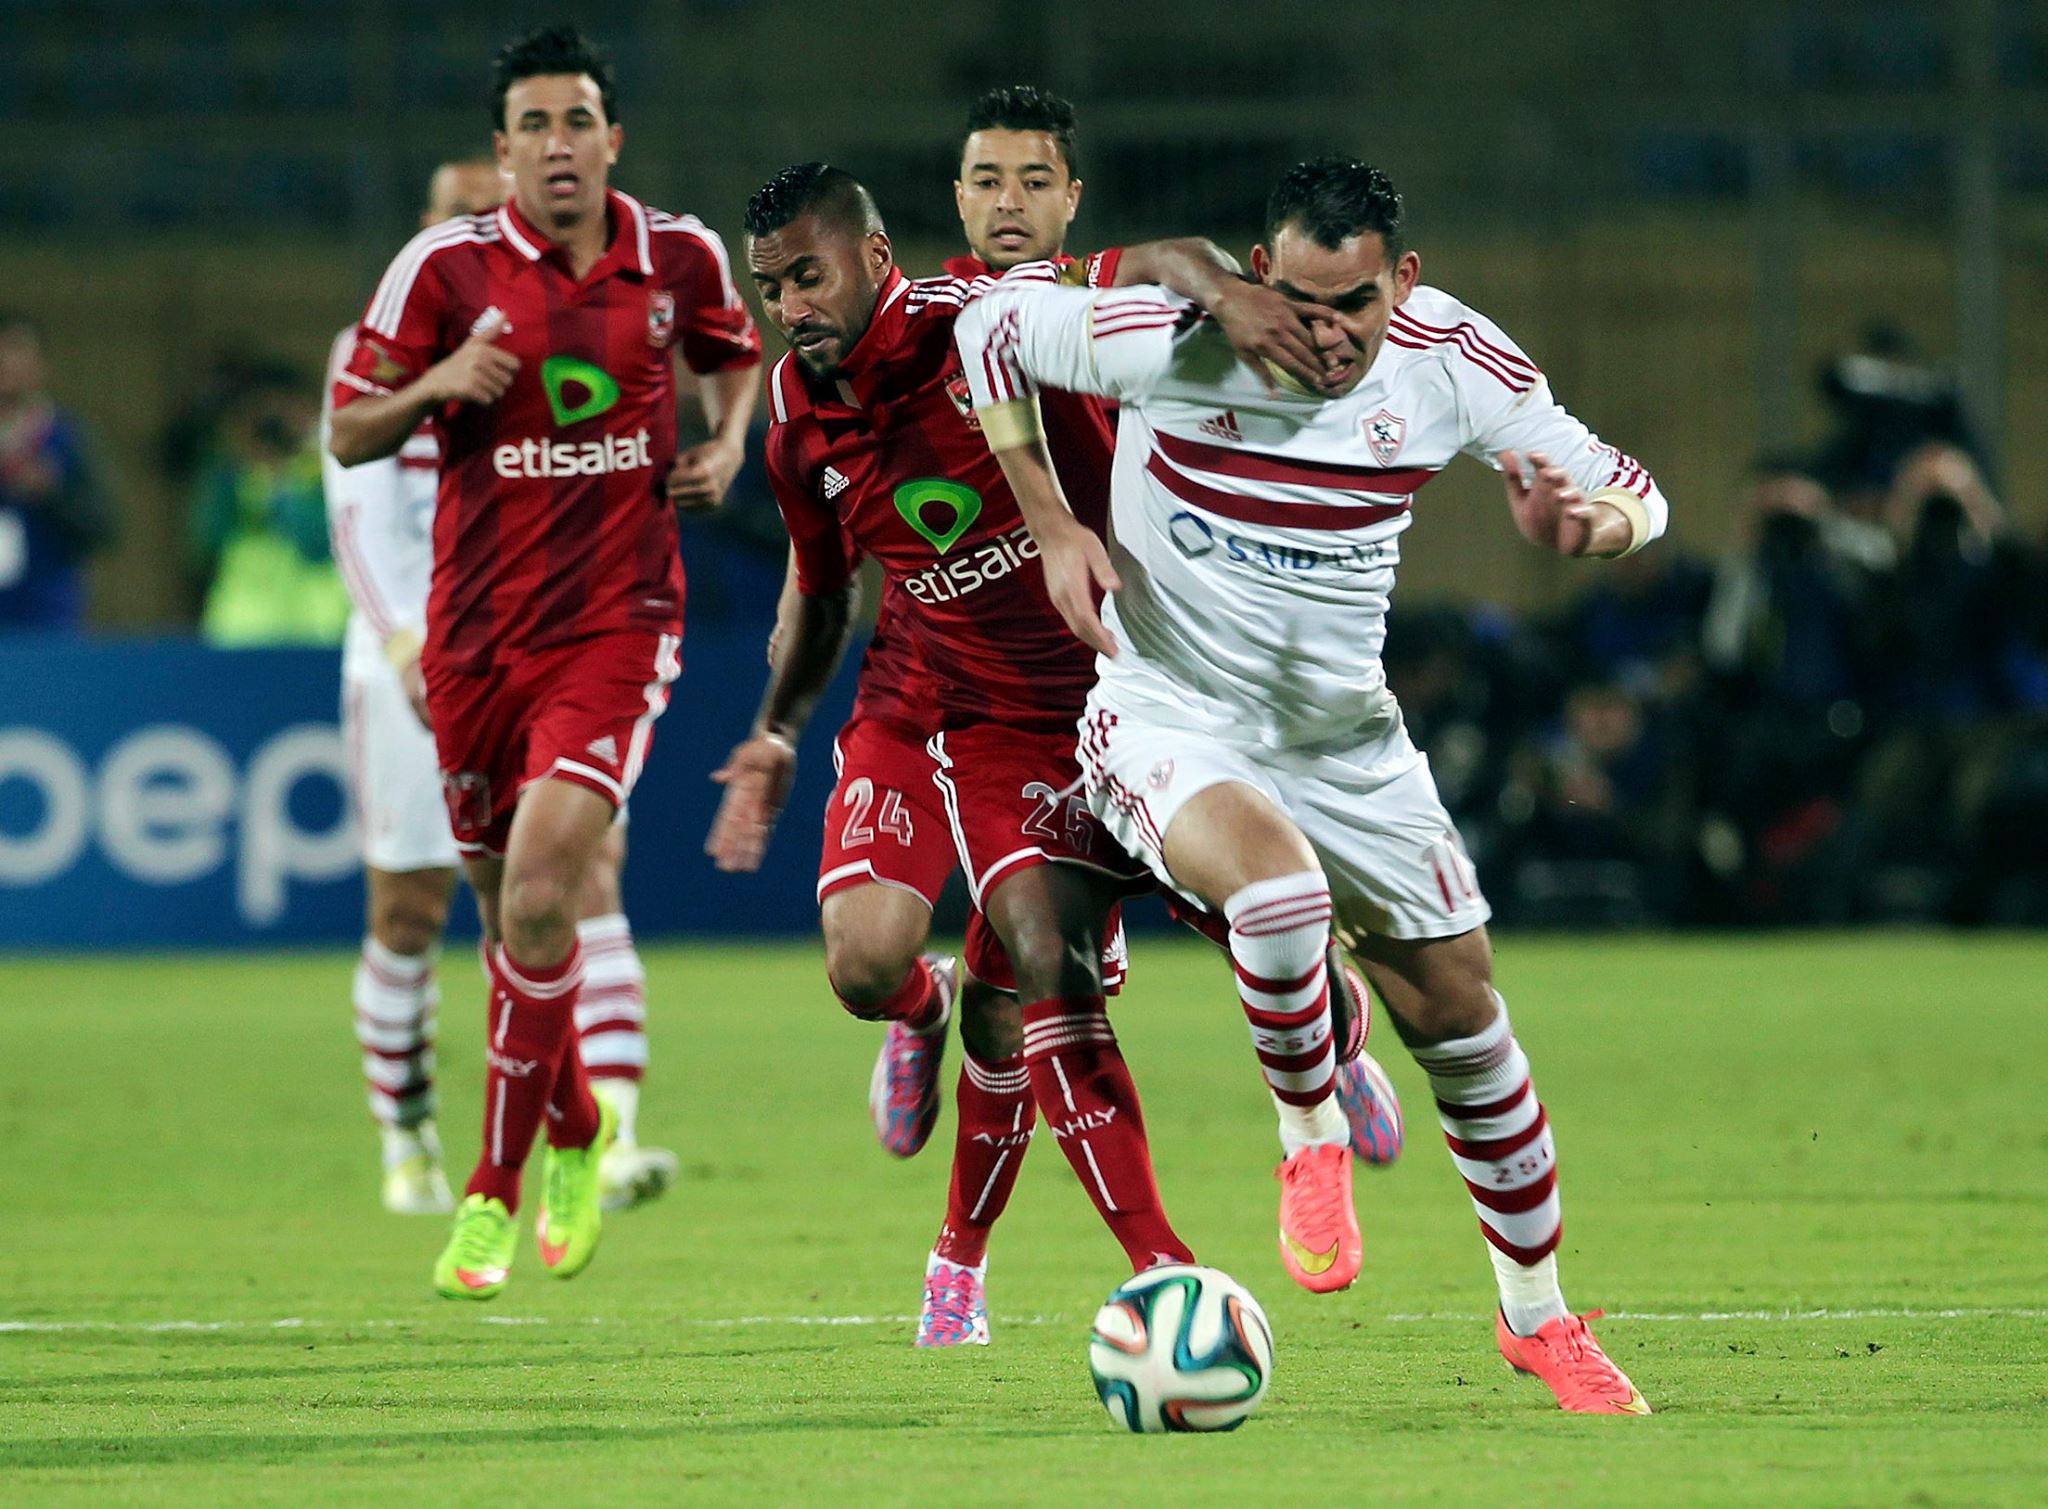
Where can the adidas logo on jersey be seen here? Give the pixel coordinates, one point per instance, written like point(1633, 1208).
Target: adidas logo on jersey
point(606, 749)
point(1223, 426)
point(835, 483)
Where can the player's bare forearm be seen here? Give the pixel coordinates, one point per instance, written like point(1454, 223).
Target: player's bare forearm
point(1265, 327)
point(1027, 467)
point(1077, 568)
point(812, 642)
point(371, 428)
point(703, 474)
point(1192, 266)
point(729, 398)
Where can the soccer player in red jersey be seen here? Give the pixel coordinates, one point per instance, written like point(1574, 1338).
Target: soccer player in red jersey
point(966, 716)
point(540, 341)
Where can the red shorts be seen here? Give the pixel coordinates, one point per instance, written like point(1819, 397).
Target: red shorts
point(581, 712)
point(1014, 800)
point(899, 817)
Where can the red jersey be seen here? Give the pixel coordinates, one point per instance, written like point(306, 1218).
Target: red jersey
point(552, 522)
point(889, 461)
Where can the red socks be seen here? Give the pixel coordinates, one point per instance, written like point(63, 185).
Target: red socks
point(534, 1070)
point(1084, 1089)
point(997, 1118)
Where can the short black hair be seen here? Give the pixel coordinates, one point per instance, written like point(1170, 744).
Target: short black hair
point(549, 50)
point(13, 320)
point(832, 194)
point(1335, 198)
point(1026, 107)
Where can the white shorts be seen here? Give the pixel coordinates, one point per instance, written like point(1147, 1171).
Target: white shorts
point(1395, 863)
point(397, 776)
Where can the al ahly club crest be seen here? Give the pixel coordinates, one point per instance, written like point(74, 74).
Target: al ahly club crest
point(1383, 435)
point(661, 317)
point(962, 395)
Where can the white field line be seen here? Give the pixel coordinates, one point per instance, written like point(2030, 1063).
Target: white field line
point(295, 1322)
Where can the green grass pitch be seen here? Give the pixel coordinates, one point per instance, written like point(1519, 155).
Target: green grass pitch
point(1807, 1177)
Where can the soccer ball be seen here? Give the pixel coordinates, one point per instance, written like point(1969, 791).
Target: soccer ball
point(1181, 1348)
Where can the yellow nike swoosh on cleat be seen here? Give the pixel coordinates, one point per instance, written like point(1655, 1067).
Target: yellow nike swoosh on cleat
point(1635, 1404)
point(1311, 1262)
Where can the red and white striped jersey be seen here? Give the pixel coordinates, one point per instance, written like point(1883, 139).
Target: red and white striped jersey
point(380, 518)
point(1256, 534)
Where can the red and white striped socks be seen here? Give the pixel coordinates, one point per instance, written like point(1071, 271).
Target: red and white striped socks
point(1279, 937)
point(1084, 1090)
point(396, 997)
point(1499, 1137)
point(611, 1015)
point(535, 1072)
point(997, 1117)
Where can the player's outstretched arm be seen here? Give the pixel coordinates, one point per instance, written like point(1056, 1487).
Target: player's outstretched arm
point(757, 774)
point(1265, 327)
point(372, 426)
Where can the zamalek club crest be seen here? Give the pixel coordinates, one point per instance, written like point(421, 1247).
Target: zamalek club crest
point(1383, 435)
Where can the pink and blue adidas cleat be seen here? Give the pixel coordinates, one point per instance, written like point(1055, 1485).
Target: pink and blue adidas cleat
point(1366, 1095)
point(955, 1312)
point(903, 1092)
point(1371, 1108)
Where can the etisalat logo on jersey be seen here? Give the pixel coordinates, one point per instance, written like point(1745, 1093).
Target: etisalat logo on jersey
point(942, 512)
point(939, 510)
point(577, 390)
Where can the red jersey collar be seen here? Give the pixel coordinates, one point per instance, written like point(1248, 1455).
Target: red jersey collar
point(857, 374)
point(967, 267)
point(630, 249)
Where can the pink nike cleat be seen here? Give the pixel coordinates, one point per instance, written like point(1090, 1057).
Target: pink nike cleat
point(903, 1092)
point(1319, 1240)
point(1564, 1355)
point(955, 1312)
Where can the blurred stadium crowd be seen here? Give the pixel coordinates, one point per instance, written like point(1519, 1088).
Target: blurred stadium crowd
point(1843, 718)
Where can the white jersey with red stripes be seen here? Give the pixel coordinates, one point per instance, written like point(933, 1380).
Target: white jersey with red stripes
point(1257, 533)
point(380, 518)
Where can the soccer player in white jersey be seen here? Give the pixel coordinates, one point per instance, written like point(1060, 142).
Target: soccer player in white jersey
point(1242, 737)
point(380, 515)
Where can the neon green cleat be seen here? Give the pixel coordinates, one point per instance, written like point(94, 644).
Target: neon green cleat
point(478, 1257)
point(571, 1213)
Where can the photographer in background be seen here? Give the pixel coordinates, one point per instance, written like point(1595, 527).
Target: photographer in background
point(259, 522)
point(53, 512)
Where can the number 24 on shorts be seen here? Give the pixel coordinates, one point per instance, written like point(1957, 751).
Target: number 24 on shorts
point(893, 818)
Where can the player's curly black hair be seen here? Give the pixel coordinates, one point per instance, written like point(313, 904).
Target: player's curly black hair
point(833, 194)
point(1026, 107)
point(550, 50)
point(1334, 198)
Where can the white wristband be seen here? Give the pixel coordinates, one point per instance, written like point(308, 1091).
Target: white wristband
point(1632, 509)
